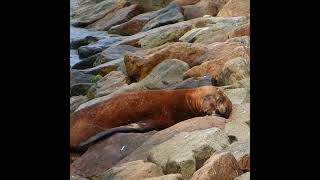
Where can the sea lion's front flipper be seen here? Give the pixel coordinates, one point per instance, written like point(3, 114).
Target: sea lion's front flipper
point(141, 126)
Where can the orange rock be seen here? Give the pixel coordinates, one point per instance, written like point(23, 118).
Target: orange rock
point(203, 7)
point(236, 8)
point(219, 54)
point(221, 166)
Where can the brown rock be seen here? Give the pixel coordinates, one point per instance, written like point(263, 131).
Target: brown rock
point(168, 15)
point(241, 151)
point(140, 64)
point(245, 40)
point(167, 177)
point(112, 19)
point(204, 7)
point(236, 8)
point(198, 123)
point(242, 30)
point(194, 83)
point(161, 35)
point(105, 154)
point(222, 166)
point(220, 53)
point(131, 171)
point(233, 71)
point(91, 12)
point(185, 2)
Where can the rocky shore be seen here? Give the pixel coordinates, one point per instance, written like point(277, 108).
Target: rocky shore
point(121, 46)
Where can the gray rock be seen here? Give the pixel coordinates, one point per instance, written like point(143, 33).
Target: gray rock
point(187, 151)
point(245, 176)
point(76, 101)
point(80, 89)
point(238, 130)
point(233, 71)
point(131, 171)
point(113, 53)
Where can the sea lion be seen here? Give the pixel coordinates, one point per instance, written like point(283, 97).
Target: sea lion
point(144, 111)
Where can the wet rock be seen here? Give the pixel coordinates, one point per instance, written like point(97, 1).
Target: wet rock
point(236, 8)
point(131, 171)
point(190, 125)
point(74, 57)
point(120, 16)
point(106, 153)
point(162, 76)
point(96, 47)
point(85, 63)
point(113, 53)
point(222, 166)
point(77, 77)
point(81, 37)
point(80, 89)
point(76, 101)
point(187, 150)
point(104, 68)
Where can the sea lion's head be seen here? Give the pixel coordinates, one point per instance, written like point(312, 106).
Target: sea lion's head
point(212, 100)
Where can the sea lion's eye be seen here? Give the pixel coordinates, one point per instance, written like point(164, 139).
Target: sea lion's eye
point(208, 98)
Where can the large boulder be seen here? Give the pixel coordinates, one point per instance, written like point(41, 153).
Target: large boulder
point(190, 125)
point(187, 151)
point(93, 11)
point(77, 77)
point(80, 89)
point(203, 7)
point(222, 166)
point(105, 68)
point(98, 46)
point(220, 53)
point(131, 171)
point(236, 8)
point(194, 83)
point(241, 151)
point(113, 53)
point(220, 30)
point(146, 21)
point(108, 152)
point(162, 76)
point(233, 71)
point(120, 16)
point(140, 63)
point(108, 84)
point(237, 130)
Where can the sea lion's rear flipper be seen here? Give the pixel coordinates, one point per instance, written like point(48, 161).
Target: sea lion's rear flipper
point(141, 126)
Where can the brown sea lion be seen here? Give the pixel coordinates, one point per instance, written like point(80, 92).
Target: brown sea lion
point(144, 111)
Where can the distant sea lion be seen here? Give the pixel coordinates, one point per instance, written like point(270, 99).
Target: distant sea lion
point(144, 111)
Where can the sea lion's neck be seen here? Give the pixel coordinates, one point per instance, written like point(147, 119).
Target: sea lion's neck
point(193, 103)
